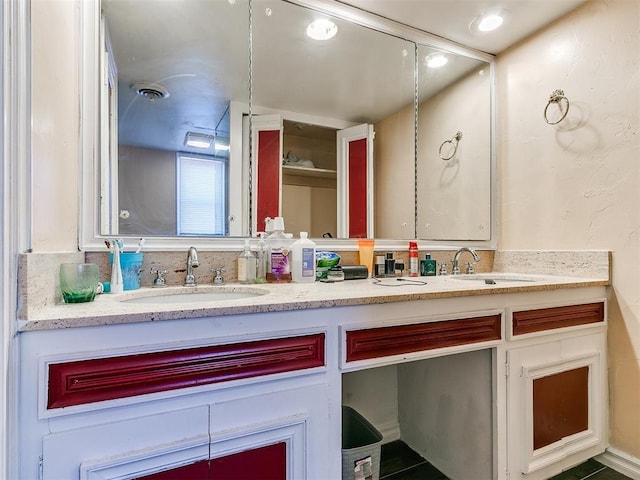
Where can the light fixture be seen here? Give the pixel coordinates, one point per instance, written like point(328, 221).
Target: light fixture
point(221, 144)
point(322, 29)
point(436, 60)
point(198, 140)
point(488, 21)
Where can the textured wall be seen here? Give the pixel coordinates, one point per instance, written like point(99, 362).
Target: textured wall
point(576, 185)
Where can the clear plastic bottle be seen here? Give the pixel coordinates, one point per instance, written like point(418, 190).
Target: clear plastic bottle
point(303, 260)
point(262, 261)
point(246, 265)
point(279, 254)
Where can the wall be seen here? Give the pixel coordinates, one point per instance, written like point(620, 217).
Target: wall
point(575, 185)
point(55, 120)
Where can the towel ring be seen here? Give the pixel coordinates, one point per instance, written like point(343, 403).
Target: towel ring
point(556, 97)
point(456, 138)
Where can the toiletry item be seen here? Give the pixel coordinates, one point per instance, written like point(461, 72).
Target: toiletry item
point(131, 268)
point(279, 258)
point(117, 284)
point(355, 272)
point(140, 245)
point(365, 252)
point(78, 282)
point(413, 259)
point(246, 265)
point(262, 260)
point(334, 274)
point(400, 268)
point(389, 265)
point(303, 260)
point(428, 266)
point(378, 270)
point(324, 261)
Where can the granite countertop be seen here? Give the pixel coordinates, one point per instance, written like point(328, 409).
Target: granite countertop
point(109, 309)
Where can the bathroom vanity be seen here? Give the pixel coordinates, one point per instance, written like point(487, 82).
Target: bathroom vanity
point(497, 381)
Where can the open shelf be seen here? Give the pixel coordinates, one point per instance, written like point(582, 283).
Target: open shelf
point(308, 172)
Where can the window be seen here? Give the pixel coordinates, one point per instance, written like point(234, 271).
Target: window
point(202, 195)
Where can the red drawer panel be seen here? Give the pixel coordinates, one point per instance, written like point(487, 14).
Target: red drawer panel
point(529, 321)
point(86, 381)
point(385, 341)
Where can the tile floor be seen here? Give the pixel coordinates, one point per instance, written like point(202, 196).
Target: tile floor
point(399, 462)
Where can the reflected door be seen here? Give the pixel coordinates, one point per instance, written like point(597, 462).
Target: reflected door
point(267, 163)
point(355, 181)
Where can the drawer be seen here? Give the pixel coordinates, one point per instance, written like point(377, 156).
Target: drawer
point(396, 340)
point(94, 380)
point(539, 320)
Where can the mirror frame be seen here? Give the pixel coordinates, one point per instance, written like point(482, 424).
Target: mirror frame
point(92, 133)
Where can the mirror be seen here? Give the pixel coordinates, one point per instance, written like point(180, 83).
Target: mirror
point(306, 83)
point(319, 87)
point(454, 147)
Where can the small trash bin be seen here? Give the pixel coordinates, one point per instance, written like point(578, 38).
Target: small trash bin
point(360, 447)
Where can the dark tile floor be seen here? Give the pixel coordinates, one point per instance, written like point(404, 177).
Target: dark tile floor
point(399, 462)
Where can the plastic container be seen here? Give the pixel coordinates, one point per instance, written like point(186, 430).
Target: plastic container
point(247, 265)
point(303, 260)
point(279, 254)
point(262, 260)
point(361, 444)
point(131, 266)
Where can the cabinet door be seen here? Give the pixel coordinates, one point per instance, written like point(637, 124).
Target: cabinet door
point(265, 463)
point(556, 405)
point(195, 471)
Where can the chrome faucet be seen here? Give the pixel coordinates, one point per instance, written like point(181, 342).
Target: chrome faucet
point(454, 262)
point(192, 262)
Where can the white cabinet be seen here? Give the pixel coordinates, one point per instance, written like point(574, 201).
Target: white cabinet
point(556, 394)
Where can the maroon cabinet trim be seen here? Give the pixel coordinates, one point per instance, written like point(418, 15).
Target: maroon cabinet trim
point(529, 321)
point(385, 341)
point(86, 381)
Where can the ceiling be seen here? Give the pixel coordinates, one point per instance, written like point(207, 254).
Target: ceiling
point(451, 18)
point(200, 55)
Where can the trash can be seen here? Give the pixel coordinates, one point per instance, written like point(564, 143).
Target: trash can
point(360, 447)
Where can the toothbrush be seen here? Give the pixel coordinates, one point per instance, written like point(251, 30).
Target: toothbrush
point(140, 245)
point(117, 284)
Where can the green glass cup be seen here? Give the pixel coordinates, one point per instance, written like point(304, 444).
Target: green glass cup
point(78, 282)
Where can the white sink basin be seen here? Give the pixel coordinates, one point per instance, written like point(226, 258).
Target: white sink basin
point(498, 277)
point(196, 295)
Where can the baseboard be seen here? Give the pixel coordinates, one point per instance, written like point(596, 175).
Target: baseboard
point(390, 431)
point(621, 462)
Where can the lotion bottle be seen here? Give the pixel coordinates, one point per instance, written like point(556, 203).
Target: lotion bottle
point(303, 260)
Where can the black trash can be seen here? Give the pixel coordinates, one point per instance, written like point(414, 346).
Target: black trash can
point(361, 443)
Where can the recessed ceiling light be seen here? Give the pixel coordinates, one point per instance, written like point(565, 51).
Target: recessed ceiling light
point(436, 60)
point(322, 29)
point(198, 140)
point(489, 21)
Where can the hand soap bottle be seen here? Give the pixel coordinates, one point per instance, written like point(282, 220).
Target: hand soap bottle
point(247, 265)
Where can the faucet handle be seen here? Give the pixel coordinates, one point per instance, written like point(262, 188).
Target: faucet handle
point(217, 279)
point(159, 281)
point(470, 268)
point(443, 269)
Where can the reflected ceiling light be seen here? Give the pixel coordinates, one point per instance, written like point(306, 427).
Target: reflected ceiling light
point(322, 29)
point(222, 144)
point(198, 140)
point(436, 60)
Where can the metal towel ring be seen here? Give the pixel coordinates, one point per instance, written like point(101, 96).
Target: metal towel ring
point(556, 97)
point(456, 138)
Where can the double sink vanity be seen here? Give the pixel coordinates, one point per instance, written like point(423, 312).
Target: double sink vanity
point(498, 375)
